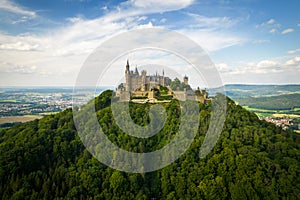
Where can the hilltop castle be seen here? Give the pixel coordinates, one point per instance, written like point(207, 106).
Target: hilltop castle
point(140, 88)
point(135, 80)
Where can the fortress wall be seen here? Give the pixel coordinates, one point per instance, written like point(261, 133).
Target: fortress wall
point(180, 95)
point(200, 99)
point(140, 93)
point(124, 96)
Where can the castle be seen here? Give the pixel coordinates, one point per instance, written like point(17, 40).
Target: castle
point(141, 88)
point(134, 80)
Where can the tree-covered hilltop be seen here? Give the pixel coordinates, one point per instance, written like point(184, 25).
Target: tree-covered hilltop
point(45, 159)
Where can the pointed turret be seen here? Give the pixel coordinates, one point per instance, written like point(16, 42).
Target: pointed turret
point(185, 80)
point(136, 71)
point(127, 67)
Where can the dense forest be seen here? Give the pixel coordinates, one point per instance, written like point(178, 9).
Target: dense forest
point(253, 159)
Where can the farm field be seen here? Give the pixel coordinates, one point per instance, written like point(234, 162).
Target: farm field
point(286, 115)
point(14, 119)
point(274, 113)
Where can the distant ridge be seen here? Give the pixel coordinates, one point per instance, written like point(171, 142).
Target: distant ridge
point(247, 90)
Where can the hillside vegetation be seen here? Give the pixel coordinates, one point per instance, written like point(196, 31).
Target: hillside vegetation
point(45, 159)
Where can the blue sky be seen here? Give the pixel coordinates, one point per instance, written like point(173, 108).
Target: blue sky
point(250, 41)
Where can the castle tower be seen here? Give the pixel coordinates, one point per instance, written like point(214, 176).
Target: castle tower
point(144, 81)
point(127, 70)
point(163, 78)
point(185, 80)
point(128, 77)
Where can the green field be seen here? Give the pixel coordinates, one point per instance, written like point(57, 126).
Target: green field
point(286, 115)
point(48, 113)
point(263, 114)
point(274, 113)
point(9, 101)
point(270, 111)
point(260, 110)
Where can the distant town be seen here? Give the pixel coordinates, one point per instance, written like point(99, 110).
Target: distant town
point(35, 102)
point(284, 122)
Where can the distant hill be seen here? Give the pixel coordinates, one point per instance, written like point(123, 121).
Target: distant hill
point(280, 102)
point(253, 159)
point(244, 91)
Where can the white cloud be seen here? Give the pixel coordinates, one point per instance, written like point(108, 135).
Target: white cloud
point(212, 40)
point(14, 8)
point(21, 20)
point(293, 51)
point(158, 5)
point(271, 21)
point(141, 7)
point(19, 43)
point(289, 30)
point(149, 25)
point(12, 68)
point(293, 62)
point(270, 25)
point(260, 41)
point(264, 71)
point(19, 46)
point(163, 20)
point(224, 68)
point(105, 8)
point(74, 19)
point(276, 70)
point(212, 22)
point(59, 54)
point(264, 64)
point(143, 18)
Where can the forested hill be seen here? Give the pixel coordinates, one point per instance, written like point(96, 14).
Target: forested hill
point(45, 159)
point(280, 102)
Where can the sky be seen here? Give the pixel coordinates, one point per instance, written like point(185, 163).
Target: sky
point(45, 43)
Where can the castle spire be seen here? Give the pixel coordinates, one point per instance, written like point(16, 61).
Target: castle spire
point(136, 71)
point(127, 67)
point(185, 80)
